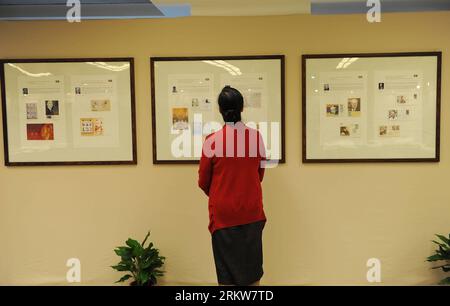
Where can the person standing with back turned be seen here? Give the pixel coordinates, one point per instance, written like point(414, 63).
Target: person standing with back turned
point(230, 173)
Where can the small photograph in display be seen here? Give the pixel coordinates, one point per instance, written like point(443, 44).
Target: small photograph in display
point(393, 114)
point(406, 114)
point(91, 126)
point(252, 99)
point(389, 130)
point(344, 131)
point(51, 108)
point(326, 87)
point(349, 130)
point(77, 90)
point(395, 130)
point(201, 104)
point(40, 131)
point(25, 91)
point(180, 118)
point(32, 110)
point(100, 105)
point(174, 89)
point(402, 99)
point(380, 86)
point(354, 107)
point(333, 110)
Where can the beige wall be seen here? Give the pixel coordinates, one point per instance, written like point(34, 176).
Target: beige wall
point(325, 221)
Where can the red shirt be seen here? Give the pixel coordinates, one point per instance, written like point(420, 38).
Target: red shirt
point(230, 173)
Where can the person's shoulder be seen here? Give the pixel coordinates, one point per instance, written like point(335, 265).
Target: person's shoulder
point(214, 134)
point(252, 130)
point(210, 135)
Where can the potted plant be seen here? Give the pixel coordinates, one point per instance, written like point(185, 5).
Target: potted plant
point(142, 263)
point(443, 255)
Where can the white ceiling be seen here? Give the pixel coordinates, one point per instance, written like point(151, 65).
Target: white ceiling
point(242, 7)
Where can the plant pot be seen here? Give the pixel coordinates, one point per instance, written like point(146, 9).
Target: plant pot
point(148, 284)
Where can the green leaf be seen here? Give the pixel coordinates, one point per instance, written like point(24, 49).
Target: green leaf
point(124, 252)
point(136, 248)
point(132, 243)
point(153, 280)
point(148, 253)
point(158, 272)
point(144, 276)
point(445, 281)
point(121, 267)
point(435, 257)
point(438, 243)
point(124, 278)
point(444, 246)
point(145, 265)
point(128, 262)
point(444, 239)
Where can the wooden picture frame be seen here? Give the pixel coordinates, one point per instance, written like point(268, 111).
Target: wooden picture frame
point(280, 82)
point(97, 67)
point(311, 152)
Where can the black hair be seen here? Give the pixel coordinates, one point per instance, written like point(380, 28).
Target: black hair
point(231, 104)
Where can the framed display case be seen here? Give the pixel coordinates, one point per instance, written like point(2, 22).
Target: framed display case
point(68, 111)
point(382, 107)
point(184, 94)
